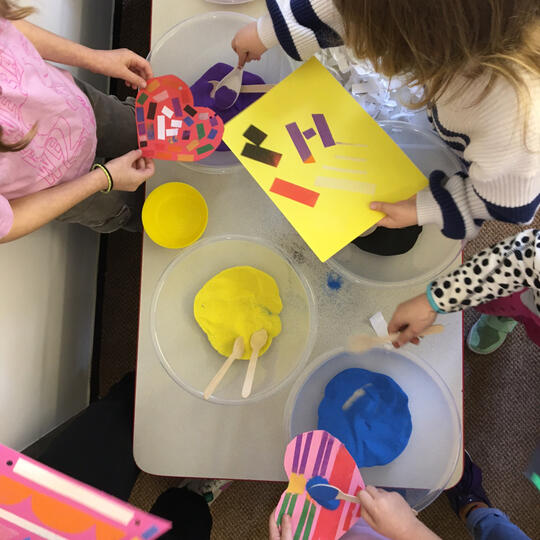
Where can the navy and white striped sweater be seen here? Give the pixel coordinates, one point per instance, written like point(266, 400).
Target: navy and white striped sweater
point(503, 178)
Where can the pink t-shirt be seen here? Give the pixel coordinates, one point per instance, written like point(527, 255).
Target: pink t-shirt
point(31, 90)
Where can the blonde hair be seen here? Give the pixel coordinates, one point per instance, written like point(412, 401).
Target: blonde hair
point(10, 10)
point(429, 42)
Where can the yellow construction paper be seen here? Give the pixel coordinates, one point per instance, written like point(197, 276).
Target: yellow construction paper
point(364, 166)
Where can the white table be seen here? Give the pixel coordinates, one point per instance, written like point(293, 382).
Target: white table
point(177, 434)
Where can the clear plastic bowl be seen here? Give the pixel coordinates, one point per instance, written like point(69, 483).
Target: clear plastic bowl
point(426, 465)
point(182, 346)
point(433, 252)
point(188, 49)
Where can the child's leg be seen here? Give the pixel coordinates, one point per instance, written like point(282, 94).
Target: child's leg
point(500, 318)
point(115, 122)
point(116, 135)
point(107, 212)
point(188, 512)
point(492, 524)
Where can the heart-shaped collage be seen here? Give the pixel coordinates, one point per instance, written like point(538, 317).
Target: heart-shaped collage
point(317, 454)
point(170, 127)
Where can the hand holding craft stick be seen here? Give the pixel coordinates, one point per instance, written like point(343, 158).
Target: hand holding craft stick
point(257, 342)
point(237, 352)
point(365, 342)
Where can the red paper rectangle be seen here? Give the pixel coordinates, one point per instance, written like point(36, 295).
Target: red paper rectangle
point(295, 192)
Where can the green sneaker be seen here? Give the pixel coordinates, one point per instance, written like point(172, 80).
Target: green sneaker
point(489, 333)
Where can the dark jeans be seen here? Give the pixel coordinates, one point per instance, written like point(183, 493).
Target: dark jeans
point(97, 448)
point(116, 136)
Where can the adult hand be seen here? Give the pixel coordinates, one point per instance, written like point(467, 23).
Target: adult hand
point(398, 215)
point(284, 532)
point(122, 64)
point(130, 170)
point(388, 513)
point(247, 44)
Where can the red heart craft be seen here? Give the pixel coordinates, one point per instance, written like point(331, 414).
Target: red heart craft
point(170, 127)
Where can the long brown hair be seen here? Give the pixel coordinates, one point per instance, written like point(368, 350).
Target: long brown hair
point(10, 10)
point(429, 42)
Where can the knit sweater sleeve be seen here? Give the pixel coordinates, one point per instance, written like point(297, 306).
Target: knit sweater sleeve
point(507, 267)
point(301, 27)
point(499, 142)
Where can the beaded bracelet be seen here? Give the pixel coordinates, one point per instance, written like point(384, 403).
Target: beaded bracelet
point(107, 174)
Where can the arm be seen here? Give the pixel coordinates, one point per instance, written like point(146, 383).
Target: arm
point(301, 27)
point(499, 271)
point(31, 212)
point(388, 513)
point(498, 139)
point(119, 63)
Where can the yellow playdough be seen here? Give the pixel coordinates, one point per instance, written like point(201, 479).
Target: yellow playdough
point(238, 302)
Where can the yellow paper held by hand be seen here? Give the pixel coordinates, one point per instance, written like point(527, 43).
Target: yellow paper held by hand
point(321, 158)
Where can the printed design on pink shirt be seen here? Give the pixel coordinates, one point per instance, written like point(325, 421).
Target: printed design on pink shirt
point(56, 147)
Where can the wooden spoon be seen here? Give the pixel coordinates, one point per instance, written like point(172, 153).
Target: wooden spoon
point(333, 492)
point(247, 88)
point(365, 342)
point(237, 352)
point(257, 342)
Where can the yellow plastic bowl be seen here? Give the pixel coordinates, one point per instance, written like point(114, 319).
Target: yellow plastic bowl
point(175, 215)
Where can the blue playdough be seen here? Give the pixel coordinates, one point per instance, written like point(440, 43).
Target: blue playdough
point(376, 428)
point(325, 494)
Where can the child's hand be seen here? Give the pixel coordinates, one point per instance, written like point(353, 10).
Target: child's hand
point(286, 532)
point(413, 316)
point(122, 64)
point(398, 215)
point(388, 513)
point(247, 44)
point(130, 170)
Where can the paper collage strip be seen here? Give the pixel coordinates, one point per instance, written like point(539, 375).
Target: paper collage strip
point(39, 502)
point(317, 453)
point(321, 158)
point(170, 127)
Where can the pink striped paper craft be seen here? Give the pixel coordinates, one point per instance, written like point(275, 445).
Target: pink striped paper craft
point(317, 453)
point(39, 502)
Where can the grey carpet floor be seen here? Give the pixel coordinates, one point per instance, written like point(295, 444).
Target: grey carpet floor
point(502, 412)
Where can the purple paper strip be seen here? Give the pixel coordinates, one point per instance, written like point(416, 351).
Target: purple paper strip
point(140, 114)
point(320, 454)
point(212, 134)
point(213, 121)
point(297, 447)
point(326, 457)
point(299, 142)
point(323, 129)
point(177, 108)
point(150, 132)
point(307, 447)
point(141, 128)
point(309, 133)
point(185, 135)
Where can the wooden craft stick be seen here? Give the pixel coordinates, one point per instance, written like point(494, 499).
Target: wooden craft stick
point(258, 341)
point(237, 352)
